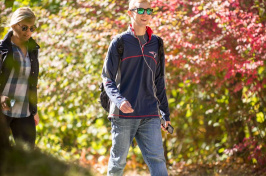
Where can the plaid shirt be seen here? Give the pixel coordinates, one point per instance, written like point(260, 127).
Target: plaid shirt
point(17, 85)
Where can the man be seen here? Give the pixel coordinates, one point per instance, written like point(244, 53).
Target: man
point(136, 87)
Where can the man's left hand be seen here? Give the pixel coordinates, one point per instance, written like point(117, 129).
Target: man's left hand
point(166, 125)
point(36, 119)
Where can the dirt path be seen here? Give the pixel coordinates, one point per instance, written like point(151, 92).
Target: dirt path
point(221, 169)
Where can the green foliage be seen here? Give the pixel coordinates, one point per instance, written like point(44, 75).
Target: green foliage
point(210, 112)
point(70, 66)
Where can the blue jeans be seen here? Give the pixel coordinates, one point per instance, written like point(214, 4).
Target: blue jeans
point(149, 138)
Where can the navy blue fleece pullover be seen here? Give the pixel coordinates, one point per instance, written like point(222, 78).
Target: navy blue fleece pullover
point(135, 78)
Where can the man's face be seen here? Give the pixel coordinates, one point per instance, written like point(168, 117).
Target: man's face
point(22, 30)
point(138, 19)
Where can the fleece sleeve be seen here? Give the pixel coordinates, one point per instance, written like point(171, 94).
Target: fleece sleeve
point(109, 73)
point(161, 90)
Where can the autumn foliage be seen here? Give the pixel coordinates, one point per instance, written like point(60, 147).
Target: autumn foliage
point(217, 48)
point(215, 71)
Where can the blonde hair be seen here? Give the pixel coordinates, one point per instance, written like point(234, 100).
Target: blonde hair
point(21, 14)
point(133, 2)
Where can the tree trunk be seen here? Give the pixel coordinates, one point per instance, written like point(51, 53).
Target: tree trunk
point(236, 123)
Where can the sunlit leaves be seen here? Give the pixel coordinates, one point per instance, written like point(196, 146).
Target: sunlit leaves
point(215, 74)
point(260, 117)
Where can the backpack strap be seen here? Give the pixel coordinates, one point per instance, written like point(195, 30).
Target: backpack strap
point(120, 47)
point(160, 54)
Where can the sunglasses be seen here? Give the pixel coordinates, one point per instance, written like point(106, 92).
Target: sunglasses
point(141, 11)
point(25, 28)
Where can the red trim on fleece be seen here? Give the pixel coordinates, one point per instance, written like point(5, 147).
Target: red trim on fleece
point(133, 116)
point(108, 82)
point(140, 56)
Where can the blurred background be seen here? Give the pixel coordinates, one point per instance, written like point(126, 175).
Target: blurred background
point(215, 74)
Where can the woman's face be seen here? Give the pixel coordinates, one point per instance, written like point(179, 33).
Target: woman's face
point(24, 29)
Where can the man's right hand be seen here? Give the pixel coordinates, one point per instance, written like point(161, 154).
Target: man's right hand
point(4, 104)
point(125, 107)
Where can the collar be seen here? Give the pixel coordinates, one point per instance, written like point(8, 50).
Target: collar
point(148, 30)
point(7, 41)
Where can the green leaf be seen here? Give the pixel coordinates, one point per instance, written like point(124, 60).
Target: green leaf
point(260, 117)
point(221, 150)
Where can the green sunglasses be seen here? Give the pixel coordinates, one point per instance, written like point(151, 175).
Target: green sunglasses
point(141, 11)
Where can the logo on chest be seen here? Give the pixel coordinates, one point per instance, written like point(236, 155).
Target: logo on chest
point(153, 53)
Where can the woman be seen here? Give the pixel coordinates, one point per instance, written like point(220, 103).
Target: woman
point(19, 69)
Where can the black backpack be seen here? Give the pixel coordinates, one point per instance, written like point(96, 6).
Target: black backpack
point(104, 99)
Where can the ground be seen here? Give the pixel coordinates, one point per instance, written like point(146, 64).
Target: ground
point(219, 169)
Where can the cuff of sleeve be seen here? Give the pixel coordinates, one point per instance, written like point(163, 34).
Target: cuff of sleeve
point(118, 104)
point(166, 118)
